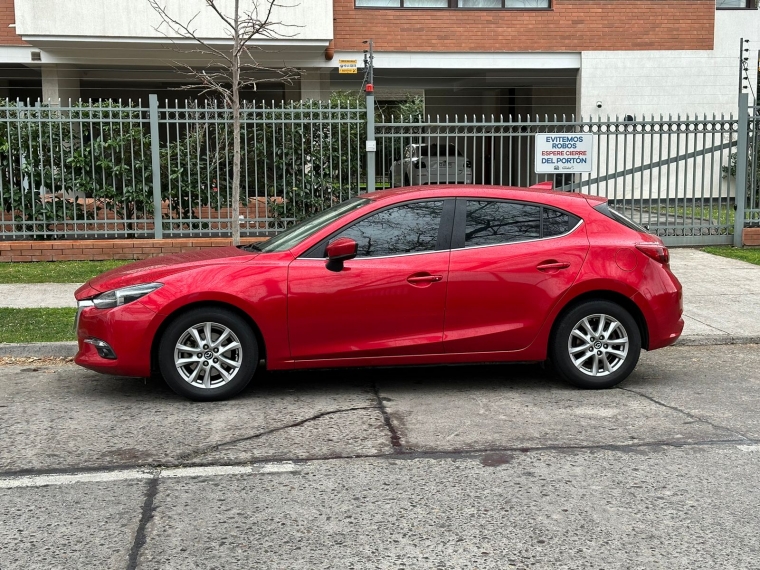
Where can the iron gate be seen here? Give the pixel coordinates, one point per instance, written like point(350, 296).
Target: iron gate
point(671, 174)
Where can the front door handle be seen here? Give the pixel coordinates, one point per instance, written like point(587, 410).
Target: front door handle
point(418, 279)
point(552, 265)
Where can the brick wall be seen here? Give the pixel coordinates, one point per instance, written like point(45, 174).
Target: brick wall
point(571, 25)
point(8, 35)
point(102, 250)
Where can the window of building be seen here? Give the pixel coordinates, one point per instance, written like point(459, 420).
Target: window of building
point(410, 228)
point(474, 4)
point(727, 4)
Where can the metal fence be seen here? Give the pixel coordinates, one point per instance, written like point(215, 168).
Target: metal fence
point(107, 170)
point(752, 204)
point(671, 174)
point(101, 170)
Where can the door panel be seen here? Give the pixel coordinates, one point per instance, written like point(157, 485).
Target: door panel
point(389, 300)
point(387, 306)
point(499, 295)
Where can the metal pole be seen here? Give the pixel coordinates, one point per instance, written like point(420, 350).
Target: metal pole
point(742, 146)
point(371, 143)
point(156, 164)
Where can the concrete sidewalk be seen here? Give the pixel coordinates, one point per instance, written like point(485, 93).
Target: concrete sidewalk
point(721, 302)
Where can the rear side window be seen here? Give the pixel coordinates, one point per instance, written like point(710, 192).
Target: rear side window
point(557, 222)
point(490, 222)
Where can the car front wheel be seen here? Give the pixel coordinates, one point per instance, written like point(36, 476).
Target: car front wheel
point(596, 345)
point(208, 354)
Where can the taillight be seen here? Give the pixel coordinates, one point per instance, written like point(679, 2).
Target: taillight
point(655, 251)
point(467, 164)
point(418, 163)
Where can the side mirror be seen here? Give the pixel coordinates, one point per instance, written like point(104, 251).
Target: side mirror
point(340, 250)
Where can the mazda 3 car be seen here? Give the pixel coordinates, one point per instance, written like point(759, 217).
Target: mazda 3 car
point(444, 275)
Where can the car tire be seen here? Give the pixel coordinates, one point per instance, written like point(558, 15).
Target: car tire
point(596, 344)
point(208, 371)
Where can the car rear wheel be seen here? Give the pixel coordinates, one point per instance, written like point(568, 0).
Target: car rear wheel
point(596, 345)
point(208, 354)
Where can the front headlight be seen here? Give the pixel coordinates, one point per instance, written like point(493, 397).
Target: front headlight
point(119, 297)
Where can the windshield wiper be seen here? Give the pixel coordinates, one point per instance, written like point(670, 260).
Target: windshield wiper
point(250, 247)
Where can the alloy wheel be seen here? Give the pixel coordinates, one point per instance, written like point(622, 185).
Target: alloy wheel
point(208, 355)
point(598, 345)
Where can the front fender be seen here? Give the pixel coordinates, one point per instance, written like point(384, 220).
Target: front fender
point(259, 292)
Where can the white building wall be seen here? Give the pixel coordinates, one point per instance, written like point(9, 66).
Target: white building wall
point(664, 82)
point(92, 19)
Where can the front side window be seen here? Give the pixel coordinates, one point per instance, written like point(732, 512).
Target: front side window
point(409, 228)
point(482, 4)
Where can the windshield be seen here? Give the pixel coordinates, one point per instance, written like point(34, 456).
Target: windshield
point(296, 234)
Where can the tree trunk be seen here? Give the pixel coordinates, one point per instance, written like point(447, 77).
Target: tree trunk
point(236, 129)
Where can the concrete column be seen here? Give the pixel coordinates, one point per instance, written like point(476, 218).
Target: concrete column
point(60, 83)
point(315, 84)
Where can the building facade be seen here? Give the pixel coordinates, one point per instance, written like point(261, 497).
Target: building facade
point(466, 57)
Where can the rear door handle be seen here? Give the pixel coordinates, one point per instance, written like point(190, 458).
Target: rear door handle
point(417, 279)
point(552, 265)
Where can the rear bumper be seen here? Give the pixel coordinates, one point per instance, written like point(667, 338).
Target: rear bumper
point(664, 314)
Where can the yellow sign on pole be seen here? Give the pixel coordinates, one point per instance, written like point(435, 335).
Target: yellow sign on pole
point(347, 65)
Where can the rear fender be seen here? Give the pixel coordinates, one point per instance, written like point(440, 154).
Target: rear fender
point(593, 288)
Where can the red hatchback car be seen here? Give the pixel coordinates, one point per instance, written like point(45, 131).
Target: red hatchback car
point(441, 275)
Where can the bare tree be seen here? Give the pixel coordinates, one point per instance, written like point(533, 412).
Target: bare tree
point(228, 69)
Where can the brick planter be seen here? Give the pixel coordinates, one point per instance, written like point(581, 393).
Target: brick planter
point(102, 250)
point(751, 236)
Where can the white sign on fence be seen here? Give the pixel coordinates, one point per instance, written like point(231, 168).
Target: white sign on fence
point(563, 152)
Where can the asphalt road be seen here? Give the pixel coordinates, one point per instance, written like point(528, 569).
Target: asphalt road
point(464, 467)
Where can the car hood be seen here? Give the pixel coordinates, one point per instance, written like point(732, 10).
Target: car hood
point(155, 268)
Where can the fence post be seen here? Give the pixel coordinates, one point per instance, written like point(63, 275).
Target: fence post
point(371, 143)
point(156, 165)
point(742, 152)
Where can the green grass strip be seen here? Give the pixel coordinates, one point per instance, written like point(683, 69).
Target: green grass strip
point(746, 254)
point(54, 271)
point(37, 325)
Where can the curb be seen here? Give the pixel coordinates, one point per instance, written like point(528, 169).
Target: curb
point(69, 349)
point(716, 340)
point(39, 349)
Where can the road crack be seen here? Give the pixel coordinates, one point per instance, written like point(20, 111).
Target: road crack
point(689, 415)
point(398, 447)
point(216, 446)
point(147, 514)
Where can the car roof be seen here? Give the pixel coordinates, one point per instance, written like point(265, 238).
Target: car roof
point(481, 191)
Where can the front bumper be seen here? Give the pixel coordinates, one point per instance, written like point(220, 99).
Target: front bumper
point(128, 330)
